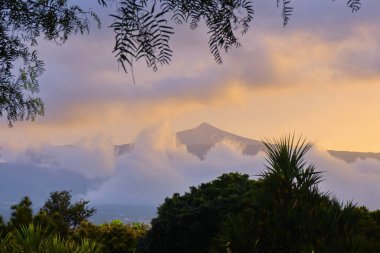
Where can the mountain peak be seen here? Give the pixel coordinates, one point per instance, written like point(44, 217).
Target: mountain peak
point(205, 125)
point(202, 138)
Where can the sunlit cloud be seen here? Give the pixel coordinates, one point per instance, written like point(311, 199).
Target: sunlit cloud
point(318, 76)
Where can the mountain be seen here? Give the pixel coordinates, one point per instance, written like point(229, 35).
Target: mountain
point(351, 157)
point(201, 139)
point(123, 149)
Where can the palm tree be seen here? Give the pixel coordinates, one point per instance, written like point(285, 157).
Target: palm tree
point(289, 196)
point(287, 166)
point(284, 205)
point(34, 239)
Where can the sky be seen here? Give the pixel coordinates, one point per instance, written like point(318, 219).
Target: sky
point(319, 77)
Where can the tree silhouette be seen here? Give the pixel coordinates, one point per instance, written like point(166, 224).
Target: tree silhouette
point(59, 203)
point(22, 23)
point(142, 32)
point(289, 214)
point(22, 213)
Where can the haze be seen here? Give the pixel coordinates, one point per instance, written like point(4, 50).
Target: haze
point(318, 77)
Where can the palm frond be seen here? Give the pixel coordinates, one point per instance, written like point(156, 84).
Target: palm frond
point(286, 161)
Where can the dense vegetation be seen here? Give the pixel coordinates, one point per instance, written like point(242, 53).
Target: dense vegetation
point(281, 211)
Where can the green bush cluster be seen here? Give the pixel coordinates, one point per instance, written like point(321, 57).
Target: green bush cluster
point(62, 227)
point(115, 237)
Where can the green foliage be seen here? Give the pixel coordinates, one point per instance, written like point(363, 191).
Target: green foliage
point(22, 22)
point(59, 208)
point(289, 196)
point(2, 225)
point(116, 237)
point(286, 168)
point(289, 214)
point(34, 239)
point(7, 243)
point(239, 233)
point(188, 223)
point(53, 223)
point(22, 213)
point(283, 211)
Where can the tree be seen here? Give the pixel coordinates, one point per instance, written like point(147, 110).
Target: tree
point(115, 237)
point(289, 214)
point(2, 225)
point(188, 223)
point(22, 22)
point(22, 213)
point(142, 31)
point(59, 206)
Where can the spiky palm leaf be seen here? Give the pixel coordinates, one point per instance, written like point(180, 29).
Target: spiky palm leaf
point(7, 243)
point(286, 161)
point(290, 194)
point(88, 246)
point(29, 239)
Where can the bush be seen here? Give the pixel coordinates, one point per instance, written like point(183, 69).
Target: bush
point(115, 237)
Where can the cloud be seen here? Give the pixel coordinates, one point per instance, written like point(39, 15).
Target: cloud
point(357, 182)
point(87, 94)
point(158, 167)
point(93, 158)
point(280, 79)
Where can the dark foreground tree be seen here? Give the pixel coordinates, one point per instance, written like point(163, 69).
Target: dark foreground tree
point(22, 213)
point(143, 28)
point(290, 214)
point(283, 211)
point(142, 31)
point(22, 23)
point(189, 223)
point(59, 207)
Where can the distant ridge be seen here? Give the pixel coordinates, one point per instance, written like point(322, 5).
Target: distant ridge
point(122, 149)
point(201, 139)
point(351, 157)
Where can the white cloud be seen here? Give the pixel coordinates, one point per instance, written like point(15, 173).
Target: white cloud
point(357, 182)
point(158, 167)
